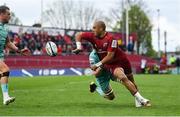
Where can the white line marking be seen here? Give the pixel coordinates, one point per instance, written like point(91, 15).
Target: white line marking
point(76, 71)
point(26, 73)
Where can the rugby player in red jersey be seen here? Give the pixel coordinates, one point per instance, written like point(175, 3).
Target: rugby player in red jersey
point(112, 58)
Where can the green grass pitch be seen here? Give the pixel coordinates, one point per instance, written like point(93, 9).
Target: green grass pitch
point(69, 95)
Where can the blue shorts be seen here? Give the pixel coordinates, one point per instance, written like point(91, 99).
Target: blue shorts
point(105, 76)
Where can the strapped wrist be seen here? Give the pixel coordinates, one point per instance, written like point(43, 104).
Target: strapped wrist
point(99, 64)
point(78, 45)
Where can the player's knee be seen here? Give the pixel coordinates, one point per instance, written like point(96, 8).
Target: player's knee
point(117, 70)
point(119, 74)
point(5, 74)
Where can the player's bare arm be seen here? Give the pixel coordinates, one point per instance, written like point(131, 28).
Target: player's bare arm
point(78, 43)
point(13, 47)
point(106, 59)
point(97, 72)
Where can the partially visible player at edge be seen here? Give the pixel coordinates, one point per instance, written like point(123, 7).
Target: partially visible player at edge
point(112, 58)
point(5, 42)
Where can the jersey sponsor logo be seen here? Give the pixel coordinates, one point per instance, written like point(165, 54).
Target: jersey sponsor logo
point(105, 44)
point(114, 44)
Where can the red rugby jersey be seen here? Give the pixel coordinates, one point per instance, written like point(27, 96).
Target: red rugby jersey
point(104, 45)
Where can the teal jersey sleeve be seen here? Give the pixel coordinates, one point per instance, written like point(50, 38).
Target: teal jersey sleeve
point(3, 37)
point(93, 58)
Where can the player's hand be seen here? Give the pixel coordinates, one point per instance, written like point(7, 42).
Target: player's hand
point(25, 52)
point(97, 71)
point(76, 51)
point(94, 67)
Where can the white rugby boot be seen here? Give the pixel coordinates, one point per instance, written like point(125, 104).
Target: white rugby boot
point(8, 100)
point(142, 102)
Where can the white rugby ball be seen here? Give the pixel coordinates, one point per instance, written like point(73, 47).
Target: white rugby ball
point(51, 48)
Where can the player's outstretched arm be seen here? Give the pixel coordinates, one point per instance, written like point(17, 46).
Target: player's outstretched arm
point(13, 47)
point(78, 44)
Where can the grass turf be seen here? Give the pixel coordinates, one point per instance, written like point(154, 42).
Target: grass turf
point(69, 95)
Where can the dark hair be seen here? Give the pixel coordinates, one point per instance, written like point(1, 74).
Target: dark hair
point(3, 9)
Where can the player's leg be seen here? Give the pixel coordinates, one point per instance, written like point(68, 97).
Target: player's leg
point(131, 78)
point(4, 75)
point(102, 85)
point(120, 75)
point(128, 71)
point(103, 82)
point(93, 59)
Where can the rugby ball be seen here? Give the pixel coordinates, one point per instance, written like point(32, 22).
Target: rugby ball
point(51, 48)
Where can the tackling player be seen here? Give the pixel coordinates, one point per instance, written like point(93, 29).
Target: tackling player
point(103, 78)
point(5, 42)
point(112, 59)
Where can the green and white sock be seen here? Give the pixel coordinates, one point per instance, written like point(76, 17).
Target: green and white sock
point(100, 91)
point(4, 88)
